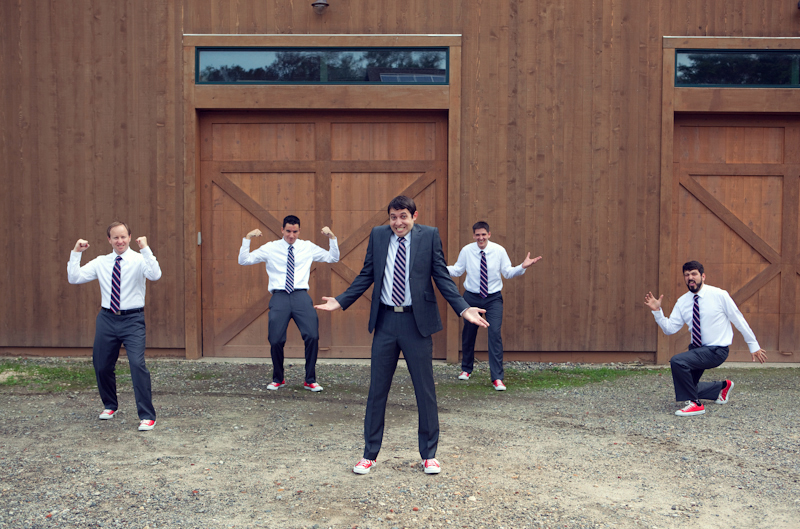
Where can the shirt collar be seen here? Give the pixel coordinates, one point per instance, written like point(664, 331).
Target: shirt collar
point(124, 254)
point(407, 237)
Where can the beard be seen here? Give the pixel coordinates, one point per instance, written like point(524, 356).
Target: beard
point(693, 288)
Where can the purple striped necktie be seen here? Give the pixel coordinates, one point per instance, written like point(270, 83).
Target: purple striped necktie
point(484, 276)
point(399, 276)
point(696, 336)
point(290, 271)
point(116, 277)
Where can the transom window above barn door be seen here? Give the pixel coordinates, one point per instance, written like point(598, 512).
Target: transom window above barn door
point(737, 68)
point(322, 66)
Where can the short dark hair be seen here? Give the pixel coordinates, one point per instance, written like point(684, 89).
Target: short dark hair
point(480, 225)
point(402, 202)
point(693, 265)
point(114, 225)
point(290, 219)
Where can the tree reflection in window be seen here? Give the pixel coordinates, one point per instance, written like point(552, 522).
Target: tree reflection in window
point(737, 68)
point(319, 65)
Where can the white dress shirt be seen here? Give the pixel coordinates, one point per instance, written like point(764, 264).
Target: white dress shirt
point(135, 269)
point(497, 264)
point(276, 254)
point(388, 271)
point(717, 312)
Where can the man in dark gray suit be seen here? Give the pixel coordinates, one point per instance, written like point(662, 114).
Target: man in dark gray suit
point(403, 261)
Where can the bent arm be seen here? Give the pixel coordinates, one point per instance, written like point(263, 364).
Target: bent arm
point(77, 274)
point(246, 257)
point(672, 324)
point(736, 317)
point(458, 269)
point(362, 281)
point(331, 256)
point(152, 270)
point(507, 270)
point(442, 278)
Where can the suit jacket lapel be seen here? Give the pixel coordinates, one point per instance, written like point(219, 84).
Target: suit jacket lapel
point(381, 252)
point(416, 242)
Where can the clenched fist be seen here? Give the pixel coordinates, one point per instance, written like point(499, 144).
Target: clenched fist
point(81, 246)
point(328, 233)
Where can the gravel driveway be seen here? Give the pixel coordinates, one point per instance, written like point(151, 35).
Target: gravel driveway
point(228, 453)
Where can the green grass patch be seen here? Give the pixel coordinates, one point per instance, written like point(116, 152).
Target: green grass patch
point(559, 377)
point(50, 378)
point(550, 378)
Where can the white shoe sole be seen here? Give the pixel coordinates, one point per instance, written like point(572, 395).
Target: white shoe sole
point(318, 388)
point(463, 377)
point(274, 388)
point(362, 470)
point(681, 413)
point(107, 417)
point(433, 470)
point(728, 396)
point(143, 428)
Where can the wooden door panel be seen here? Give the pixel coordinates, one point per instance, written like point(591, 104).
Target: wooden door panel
point(383, 141)
point(736, 181)
point(326, 168)
point(264, 141)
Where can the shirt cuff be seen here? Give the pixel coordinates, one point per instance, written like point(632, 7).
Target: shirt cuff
point(461, 314)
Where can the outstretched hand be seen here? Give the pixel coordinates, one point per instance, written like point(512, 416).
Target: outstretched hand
point(651, 301)
point(474, 315)
point(330, 304)
point(142, 242)
point(528, 261)
point(760, 355)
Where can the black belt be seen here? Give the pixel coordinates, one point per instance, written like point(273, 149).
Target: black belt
point(397, 309)
point(123, 312)
point(295, 290)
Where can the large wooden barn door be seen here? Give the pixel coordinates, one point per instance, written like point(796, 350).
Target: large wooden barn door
point(736, 184)
point(328, 168)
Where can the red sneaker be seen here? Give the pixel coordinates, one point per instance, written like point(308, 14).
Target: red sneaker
point(108, 414)
point(463, 376)
point(691, 408)
point(363, 466)
point(145, 426)
point(275, 385)
point(431, 466)
point(725, 394)
point(312, 387)
point(498, 385)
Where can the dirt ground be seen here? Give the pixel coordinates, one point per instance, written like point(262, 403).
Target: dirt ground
point(228, 453)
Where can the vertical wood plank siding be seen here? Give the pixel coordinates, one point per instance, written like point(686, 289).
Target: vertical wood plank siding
point(561, 138)
point(90, 109)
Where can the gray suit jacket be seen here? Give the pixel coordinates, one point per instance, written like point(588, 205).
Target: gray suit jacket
point(426, 266)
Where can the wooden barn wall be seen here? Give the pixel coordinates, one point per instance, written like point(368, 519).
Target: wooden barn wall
point(561, 126)
point(91, 123)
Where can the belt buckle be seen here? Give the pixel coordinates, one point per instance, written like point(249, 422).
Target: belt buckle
point(398, 309)
point(118, 313)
